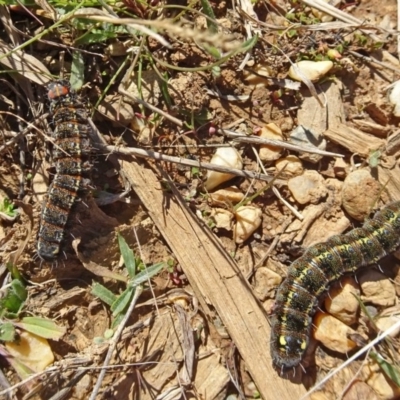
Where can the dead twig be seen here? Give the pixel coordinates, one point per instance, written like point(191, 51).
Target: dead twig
point(133, 151)
point(239, 137)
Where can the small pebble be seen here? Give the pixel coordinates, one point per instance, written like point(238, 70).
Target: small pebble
point(258, 78)
point(313, 70)
point(308, 187)
point(376, 288)
point(266, 281)
point(248, 219)
point(227, 157)
point(222, 218)
point(268, 152)
point(360, 192)
point(341, 301)
point(333, 333)
point(302, 136)
point(228, 196)
point(292, 165)
point(394, 98)
point(387, 321)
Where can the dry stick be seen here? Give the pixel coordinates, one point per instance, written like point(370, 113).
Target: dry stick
point(255, 139)
point(114, 342)
point(133, 151)
point(341, 15)
point(374, 61)
point(157, 110)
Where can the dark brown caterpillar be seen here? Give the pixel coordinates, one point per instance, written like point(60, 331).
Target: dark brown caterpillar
point(310, 276)
point(70, 155)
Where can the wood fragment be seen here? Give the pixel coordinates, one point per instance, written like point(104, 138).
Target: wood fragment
point(215, 278)
point(353, 139)
point(372, 127)
point(393, 143)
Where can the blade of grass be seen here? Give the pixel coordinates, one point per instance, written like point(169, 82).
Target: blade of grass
point(42, 327)
point(105, 295)
point(122, 301)
point(128, 256)
point(207, 9)
point(148, 273)
point(391, 371)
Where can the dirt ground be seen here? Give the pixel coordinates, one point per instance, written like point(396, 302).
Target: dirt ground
point(200, 326)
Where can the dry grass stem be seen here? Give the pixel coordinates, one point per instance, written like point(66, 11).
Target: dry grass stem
point(374, 61)
point(225, 42)
point(133, 151)
point(176, 121)
point(239, 137)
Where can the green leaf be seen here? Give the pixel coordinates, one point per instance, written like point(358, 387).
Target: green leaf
point(216, 71)
point(118, 319)
point(213, 51)
point(7, 332)
point(42, 327)
point(164, 90)
point(108, 333)
point(11, 303)
point(374, 158)
point(390, 370)
point(14, 271)
point(103, 294)
point(91, 38)
point(148, 273)
point(19, 289)
point(195, 171)
point(128, 256)
point(8, 208)
point(122, 301)
point(249, 44)
point(207, 10)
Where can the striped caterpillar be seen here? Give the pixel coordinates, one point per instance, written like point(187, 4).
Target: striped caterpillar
point(310, 276)
point(70, 155)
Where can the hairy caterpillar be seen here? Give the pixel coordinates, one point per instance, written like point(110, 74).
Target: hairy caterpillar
point(310, 276)
point(70, 155)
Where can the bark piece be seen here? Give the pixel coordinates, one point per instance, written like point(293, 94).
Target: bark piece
point(215, 279)
point(353, 139)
